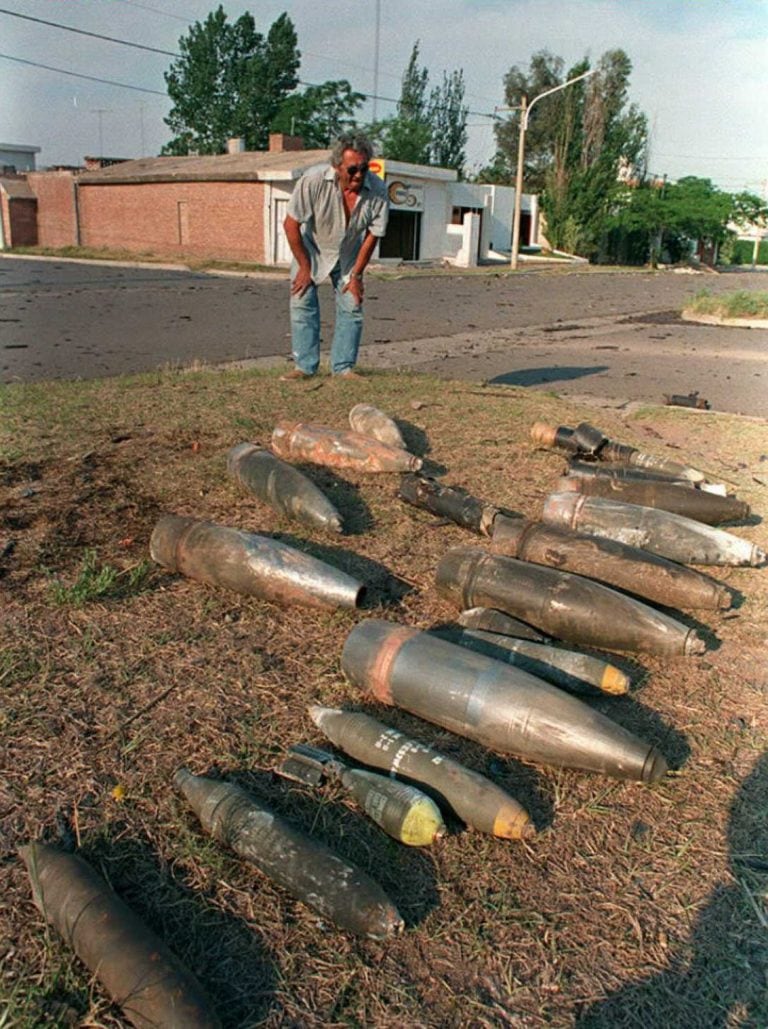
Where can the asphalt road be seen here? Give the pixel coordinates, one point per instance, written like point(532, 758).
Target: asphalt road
point(590, 333)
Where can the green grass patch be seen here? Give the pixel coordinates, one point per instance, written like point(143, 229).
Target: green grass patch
point(97, 581)
point(742, 303)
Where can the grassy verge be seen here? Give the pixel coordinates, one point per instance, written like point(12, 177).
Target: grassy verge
point(741, 303)
point(634, 906)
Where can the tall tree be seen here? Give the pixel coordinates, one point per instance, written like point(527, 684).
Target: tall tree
point(448, 121)
point(229, 81)
point(579, 141)
point(407, 136)
point(429, 128)
point(319, 114)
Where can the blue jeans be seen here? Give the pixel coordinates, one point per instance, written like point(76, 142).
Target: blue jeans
point(305, 329)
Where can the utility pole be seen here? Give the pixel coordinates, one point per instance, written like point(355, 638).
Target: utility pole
point(519, 181)
point(376, 46)
point(525, 113)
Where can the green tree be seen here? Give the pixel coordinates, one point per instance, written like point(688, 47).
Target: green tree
point(448, 121)
point(407, 135)
point(674, 217)
point(229, 81)
point(579, 142)
point(319, 114)
point(428, 128)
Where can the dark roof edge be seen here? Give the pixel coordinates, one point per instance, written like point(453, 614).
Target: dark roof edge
point(94, 179)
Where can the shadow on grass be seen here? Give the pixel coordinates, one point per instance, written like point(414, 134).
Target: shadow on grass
point(552, 373)
point(226, 955)
point(345, 497)
point(718, 978)
point(406, 874)
point(382, 587)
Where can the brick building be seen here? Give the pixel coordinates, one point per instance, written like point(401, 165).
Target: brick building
point(231, 206)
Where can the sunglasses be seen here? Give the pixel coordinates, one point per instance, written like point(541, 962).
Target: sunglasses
point(353, 169)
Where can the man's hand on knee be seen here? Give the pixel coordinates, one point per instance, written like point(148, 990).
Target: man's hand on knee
point(301, 282)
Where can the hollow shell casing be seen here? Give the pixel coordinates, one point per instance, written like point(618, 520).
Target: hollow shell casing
point(334, 448)
point(136, 968)
point(567, 606)
point(251, 564)
point(284, 488)
point(370, 421)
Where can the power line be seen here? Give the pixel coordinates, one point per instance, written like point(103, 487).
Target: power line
point(155, 50)
point(83, 32)
point(79, 75)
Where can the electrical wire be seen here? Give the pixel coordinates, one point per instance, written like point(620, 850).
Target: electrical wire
point(80, 75)
point(155, 50)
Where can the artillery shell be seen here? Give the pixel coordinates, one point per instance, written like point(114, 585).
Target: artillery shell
point(618, 564)
point(562, 437)
point(133, 965)
point(250, 564)
point(596, 469)
point(660, 532)
point(567, 606)
point(477, 801)
point(572, 671)
point(403, 812)
point(308, 870)
point(448, 502)
point(489, 620)
point(501, 707)
point(691, 503)
point(295, 441)
point(370, 421)
point(282, 487)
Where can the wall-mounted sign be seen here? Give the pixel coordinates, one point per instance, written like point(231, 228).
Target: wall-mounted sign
point(376, 167)
point(405, 195)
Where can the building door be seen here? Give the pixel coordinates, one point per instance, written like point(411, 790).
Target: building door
point(281, 251)
point(403, 238)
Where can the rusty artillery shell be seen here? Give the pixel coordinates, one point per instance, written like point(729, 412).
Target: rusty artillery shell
point(487, 619)
point(572, 671)
point(478, 802)
point(296, 441)
point(134, 966)
point(585, 439)
point(305, 868)
point(370, 421)
point(690, 503)
point(282, 487)
point(618, 564)
point(660, 532)
point(402, 811)
point(567, 606)
point(250, 564)
point(449, 502)
point(486, 700)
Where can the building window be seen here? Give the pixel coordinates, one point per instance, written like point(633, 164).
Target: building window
point(457, 214)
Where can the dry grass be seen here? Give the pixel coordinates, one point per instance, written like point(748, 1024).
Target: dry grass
point(635, 906)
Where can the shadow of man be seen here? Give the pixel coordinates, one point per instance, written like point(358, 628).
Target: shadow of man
point(719, 980)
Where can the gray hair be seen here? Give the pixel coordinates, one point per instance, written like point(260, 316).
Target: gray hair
point(357, 141)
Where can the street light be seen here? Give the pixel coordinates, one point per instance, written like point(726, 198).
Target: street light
point(525, 111)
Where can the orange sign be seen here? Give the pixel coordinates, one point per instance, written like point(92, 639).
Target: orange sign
point(376, 167)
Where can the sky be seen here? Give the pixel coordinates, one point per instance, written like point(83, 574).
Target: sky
point(700, 68)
